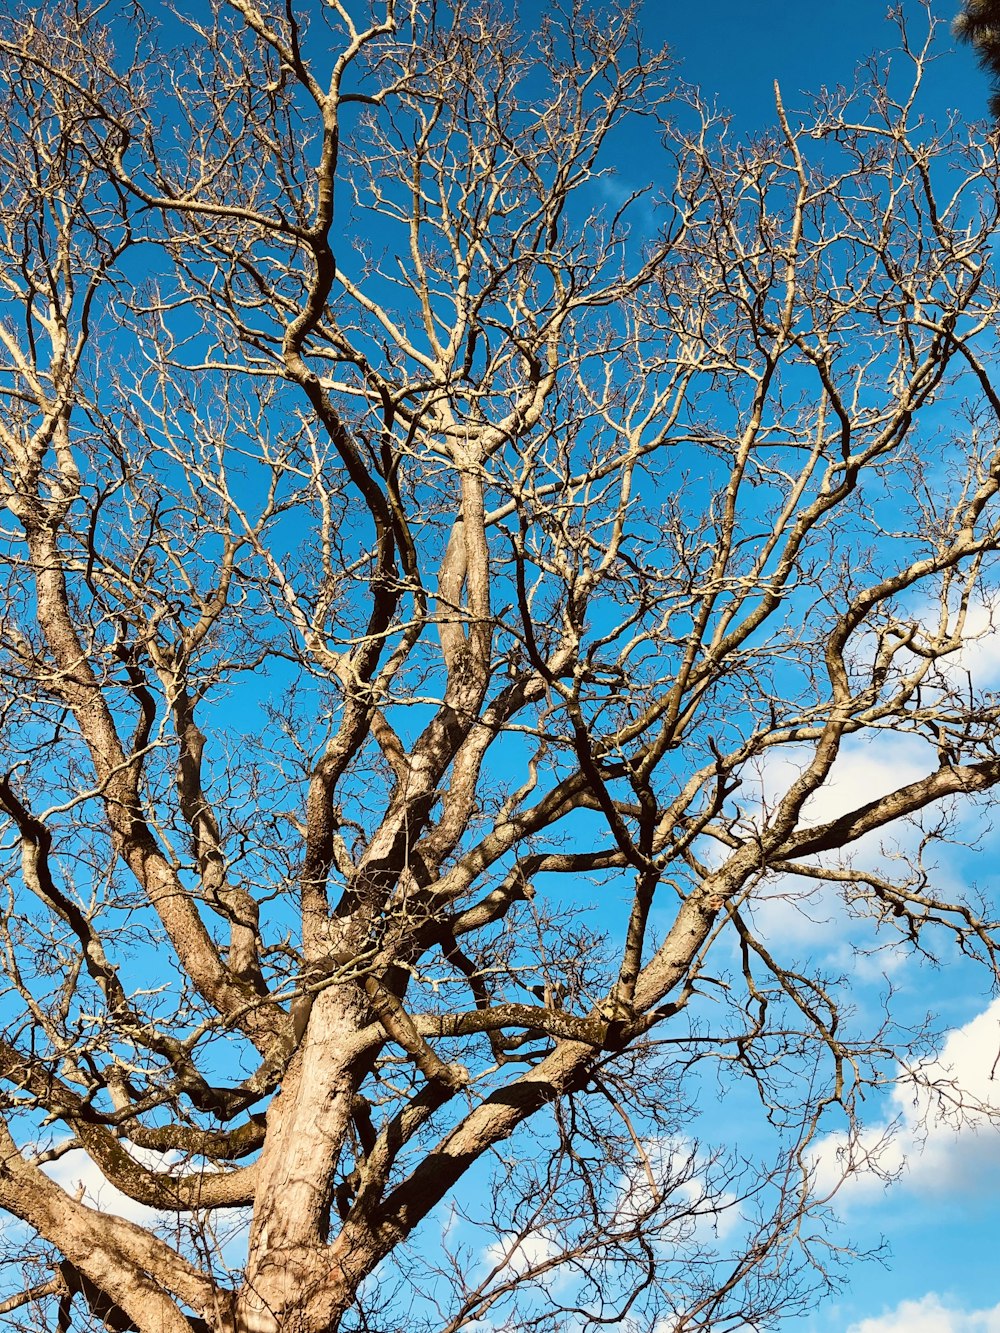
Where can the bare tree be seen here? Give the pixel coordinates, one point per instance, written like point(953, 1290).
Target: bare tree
point(415, 543)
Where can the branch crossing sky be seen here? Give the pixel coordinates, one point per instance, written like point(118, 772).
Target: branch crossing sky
point(942, 1218)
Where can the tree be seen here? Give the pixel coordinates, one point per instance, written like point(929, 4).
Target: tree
point(416, 542)
point(978, 23)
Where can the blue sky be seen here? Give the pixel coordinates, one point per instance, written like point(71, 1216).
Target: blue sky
point(941, 1221)
point(735, 50)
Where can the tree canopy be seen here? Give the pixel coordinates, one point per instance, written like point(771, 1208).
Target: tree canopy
point(978, 23)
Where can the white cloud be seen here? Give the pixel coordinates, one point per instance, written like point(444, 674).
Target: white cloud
point(930, 1315)
point(705, 1211)
point(978, 659)
point(80, 1176)
point(866, 768)
point(941, 1132)
point(798, 911)
point(518, 1256)
point(226, 1230)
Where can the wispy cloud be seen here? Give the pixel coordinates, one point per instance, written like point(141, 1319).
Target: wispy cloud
point(940, 1133)
point(931, 1315)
